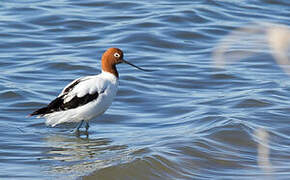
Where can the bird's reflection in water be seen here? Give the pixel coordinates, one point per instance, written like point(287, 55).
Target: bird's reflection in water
point(73, 155)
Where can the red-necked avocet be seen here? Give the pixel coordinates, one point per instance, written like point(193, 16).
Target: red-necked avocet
point(87, 97)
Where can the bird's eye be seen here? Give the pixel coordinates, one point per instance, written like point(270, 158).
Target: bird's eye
point(117, 55)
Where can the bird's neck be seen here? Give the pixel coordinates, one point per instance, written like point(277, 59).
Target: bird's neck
point(111, 68)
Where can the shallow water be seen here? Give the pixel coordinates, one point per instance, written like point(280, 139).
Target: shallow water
point(186, 120)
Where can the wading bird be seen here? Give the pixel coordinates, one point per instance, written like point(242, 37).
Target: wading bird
point(87, 97)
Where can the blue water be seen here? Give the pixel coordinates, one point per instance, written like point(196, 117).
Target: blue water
point(185, 120)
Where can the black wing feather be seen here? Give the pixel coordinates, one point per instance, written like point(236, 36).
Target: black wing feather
point(70, 87)
point(76, 101)
point(53, 106)
point(59, 105)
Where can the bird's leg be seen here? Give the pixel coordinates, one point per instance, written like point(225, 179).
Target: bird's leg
point(87, 125)
point(80, 125)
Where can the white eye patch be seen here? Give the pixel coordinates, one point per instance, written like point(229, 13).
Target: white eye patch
point(117, 55)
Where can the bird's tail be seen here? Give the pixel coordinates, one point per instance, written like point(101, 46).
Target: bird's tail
point(40, 112)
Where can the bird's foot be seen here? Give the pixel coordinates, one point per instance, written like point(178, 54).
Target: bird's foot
point(79, 133)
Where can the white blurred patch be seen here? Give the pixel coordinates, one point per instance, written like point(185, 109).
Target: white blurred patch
point(256, 38)
point(263, 155)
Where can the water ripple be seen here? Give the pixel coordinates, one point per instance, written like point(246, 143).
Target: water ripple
point(185, 120)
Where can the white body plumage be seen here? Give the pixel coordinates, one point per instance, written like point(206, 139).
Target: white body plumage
point(105, 84)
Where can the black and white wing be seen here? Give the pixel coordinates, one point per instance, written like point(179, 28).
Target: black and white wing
point(79, 92)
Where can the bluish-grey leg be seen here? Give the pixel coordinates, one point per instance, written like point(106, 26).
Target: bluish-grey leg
point(80, 125)
point(87, 125)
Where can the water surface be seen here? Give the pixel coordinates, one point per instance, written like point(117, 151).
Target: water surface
point(186, 120)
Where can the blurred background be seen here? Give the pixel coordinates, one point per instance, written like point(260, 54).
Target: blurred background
point(217, 106)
